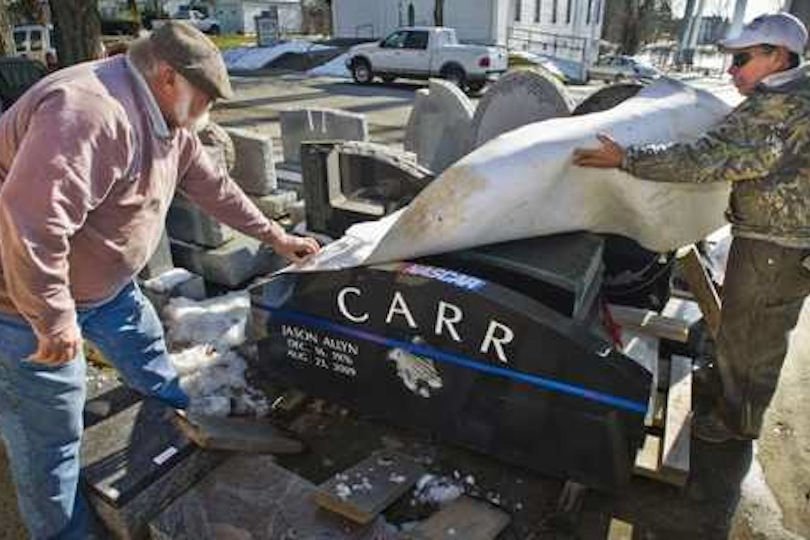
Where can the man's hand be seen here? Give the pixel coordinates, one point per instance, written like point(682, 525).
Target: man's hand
point(296, 248)
point(609, 156)
point(55, 350)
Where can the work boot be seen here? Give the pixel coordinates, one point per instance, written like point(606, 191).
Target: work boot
point(710, 428)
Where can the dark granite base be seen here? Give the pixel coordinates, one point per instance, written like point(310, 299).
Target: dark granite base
point(250, 497)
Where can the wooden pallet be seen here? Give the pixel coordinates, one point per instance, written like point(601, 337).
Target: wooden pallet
point(664, 455)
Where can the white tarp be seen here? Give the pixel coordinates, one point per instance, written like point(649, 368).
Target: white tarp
point(523, 184)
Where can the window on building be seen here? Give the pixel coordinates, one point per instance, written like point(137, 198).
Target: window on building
point(598, 14)
point(554, 11)
point(411, 15)
point(537, 10)
point(568, 5)
point(518, 6)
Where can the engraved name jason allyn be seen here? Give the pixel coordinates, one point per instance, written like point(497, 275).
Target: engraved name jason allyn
point(447, 321)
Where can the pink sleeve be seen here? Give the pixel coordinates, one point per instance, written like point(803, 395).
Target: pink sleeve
point(213, 190)
point(63, 168)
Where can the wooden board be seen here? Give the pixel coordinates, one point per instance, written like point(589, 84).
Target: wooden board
point(677, 430)
point(701, 286)
point(664, 455)
point(465, 518)
point(236, 434)
point(644, 349)
point(368, 488)
point(649, 322)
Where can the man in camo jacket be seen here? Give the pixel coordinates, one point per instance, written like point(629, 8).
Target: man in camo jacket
point(763, 149)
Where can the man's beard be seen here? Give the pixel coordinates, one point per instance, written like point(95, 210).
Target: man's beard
point(182, 107)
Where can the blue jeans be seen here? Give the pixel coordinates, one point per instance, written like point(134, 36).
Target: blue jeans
point(41, 406)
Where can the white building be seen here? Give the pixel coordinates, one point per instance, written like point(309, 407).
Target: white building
point(567, 29)
point(238, 16)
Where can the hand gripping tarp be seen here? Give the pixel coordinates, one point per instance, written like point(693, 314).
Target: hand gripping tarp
point(524, 184)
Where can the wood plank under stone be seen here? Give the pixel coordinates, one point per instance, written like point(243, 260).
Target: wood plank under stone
point(237, 434)
point(649, 322)
point(465, 518)
point(677, 430)
point(701, 286)
point(366, 489)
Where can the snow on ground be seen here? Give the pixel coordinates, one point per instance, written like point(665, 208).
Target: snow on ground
point(251, 58)
point(211, 373)
point(219, 321)
point(334, 68)
point(437, 490)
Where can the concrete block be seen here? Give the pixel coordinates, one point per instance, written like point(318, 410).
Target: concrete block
point(439, 125)
point(275, 204)
point(187, 222)
point(254, 170)
point(231, 264)
point(301, 125)
point(520, 97)
point(297, 211)
point(175, 282)
point(215, 135)
point(161, 260)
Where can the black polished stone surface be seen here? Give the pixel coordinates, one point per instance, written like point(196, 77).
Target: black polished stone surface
point(462, 358)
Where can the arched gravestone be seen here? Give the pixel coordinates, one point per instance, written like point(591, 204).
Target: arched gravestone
point(607, 98)
point(518, 98)
point(439, 125)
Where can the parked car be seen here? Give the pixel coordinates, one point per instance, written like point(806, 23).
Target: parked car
point(35, 41)
point(425, 52)
point(616, 68)
point(199, 20)
point(17, 75)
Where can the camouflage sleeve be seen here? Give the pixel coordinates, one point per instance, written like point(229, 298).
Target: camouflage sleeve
point(744, 146)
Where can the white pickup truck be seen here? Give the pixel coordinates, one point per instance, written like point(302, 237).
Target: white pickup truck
point(209, 25)
point(424, 52)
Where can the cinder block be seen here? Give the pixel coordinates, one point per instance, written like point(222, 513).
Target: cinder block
point(254, 169)
point(297, 211)
point(231, 264)
point(275, 205)
point(300, 125)
point(187, 222)
point(175, 282)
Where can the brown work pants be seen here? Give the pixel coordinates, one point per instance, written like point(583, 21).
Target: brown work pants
point(763, 293)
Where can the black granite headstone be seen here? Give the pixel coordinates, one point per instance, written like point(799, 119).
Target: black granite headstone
point(464, 358)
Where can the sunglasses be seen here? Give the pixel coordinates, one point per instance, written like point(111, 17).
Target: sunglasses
point(739, 59)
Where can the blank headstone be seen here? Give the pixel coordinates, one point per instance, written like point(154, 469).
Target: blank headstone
point(439, 125)
point(520, 97)
point(299, 125)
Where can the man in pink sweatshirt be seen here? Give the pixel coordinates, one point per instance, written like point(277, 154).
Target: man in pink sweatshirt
point(90, 159)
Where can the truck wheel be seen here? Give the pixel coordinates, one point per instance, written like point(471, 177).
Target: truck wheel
point(214, 30)
point(361, 72)
point(388, 79)
point(455, 75)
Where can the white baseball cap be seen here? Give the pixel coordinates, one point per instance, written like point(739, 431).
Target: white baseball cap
point(779, 29)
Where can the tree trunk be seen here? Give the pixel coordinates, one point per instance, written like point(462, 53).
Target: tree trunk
point(6, 43)
point(438, 12)
point(77, 30)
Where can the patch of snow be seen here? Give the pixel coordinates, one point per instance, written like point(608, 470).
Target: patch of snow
point(219, 321)
point(168, 280)
point(252, 58)
point(333, 68)
point(437, 490)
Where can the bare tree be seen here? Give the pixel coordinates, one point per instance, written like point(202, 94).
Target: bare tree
point(438, 12)
point(77, 29)
point(6, 43)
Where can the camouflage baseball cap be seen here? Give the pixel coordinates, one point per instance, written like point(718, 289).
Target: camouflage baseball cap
point(193, 55)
